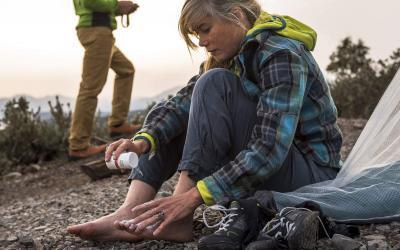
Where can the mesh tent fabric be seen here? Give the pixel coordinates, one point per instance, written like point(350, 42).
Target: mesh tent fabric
point(367, 188)
point(379, 142)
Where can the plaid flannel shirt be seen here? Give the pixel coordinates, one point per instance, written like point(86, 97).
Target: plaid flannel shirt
point(294, 106)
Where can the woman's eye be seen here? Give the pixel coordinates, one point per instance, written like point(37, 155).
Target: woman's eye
point(205, 30)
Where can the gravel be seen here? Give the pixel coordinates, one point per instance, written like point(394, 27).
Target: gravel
point(36, 207)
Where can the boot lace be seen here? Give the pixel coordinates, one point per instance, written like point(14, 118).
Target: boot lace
point(287, 226)
point(229, 214)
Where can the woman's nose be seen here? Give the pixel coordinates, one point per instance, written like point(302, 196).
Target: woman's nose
point(202, 42)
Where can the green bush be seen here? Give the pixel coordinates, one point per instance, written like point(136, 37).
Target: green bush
point(26, 138)
point(62, 121)
point(359, 81)
point(5, 164)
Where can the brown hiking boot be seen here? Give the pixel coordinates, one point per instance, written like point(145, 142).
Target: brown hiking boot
point(125, 129)
point(90, 151)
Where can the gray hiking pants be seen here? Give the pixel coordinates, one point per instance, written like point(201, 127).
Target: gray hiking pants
point(220, 123)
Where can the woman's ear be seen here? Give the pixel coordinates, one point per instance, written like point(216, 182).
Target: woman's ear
point(239, 13)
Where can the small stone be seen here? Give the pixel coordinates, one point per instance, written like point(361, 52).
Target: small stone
point(48, 230)
point(395, 224)
point(397, 246)
point(190, 246)
point(363, 247)
point(12, 238)
point(358, 124)
point(26, 240)
point(18, 210)
point(13, 175)
point(143, 245)
point(38, 244)
point(375, 237)
point(67, 243)
point(39, 228)
point(396, 238)
point(383, 228)
point(377, 244)
point(8, 217)
point(164, 194)
point(3, 238)
point(345, 243)
point(35, 167)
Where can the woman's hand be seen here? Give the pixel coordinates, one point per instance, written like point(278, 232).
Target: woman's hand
point(162, 212)
point(123, 145)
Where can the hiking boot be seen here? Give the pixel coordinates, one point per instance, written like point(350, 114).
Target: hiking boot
point(90, 151)
point(265, 244)
point(125, 129)
point(231, 232)
point(293, 228)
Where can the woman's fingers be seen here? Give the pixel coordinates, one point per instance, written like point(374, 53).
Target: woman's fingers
point(126, 225)
point(149, 215)
point(110, 149)
point(149, 223)
point(145, 211)
point(139, 209)
point(116, 148)
point(140, 225)
point(164, 224)
point(157, 215)
point(122, 147)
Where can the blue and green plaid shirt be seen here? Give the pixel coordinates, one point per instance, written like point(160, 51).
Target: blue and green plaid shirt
point(294, 106)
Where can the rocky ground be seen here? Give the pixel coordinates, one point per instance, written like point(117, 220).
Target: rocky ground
point(36, 207)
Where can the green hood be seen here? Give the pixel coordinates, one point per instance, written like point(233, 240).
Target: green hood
point(285, 26)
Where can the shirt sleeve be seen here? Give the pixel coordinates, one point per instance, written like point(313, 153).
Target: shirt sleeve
point(283, 80)
point(107, 6)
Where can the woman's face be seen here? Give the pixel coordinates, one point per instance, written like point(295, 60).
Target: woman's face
point(219, 37)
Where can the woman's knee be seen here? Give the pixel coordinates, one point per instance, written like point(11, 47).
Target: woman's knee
point(214, 80)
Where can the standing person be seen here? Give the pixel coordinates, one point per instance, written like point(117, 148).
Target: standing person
point(96, 23)
point(259, 115)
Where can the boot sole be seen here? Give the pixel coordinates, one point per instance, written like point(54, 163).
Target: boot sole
point(218, 246)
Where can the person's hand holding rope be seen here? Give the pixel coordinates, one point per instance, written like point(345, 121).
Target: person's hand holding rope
point(127, 7)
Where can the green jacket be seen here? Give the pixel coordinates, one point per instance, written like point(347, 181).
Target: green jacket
point(96, 13)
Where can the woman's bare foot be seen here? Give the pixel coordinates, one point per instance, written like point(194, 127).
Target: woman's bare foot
point(103, 229)
point(181, 231)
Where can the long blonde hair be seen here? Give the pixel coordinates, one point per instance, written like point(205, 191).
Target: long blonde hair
point(194, 10)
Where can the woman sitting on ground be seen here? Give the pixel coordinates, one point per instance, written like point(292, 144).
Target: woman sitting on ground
point(259, 115)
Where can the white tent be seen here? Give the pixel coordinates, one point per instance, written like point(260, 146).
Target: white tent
point(379, 142)
point(367, 188)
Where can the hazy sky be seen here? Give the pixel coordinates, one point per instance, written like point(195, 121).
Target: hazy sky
point(40, 53)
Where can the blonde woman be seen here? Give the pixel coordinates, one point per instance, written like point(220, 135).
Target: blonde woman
point(259, 115)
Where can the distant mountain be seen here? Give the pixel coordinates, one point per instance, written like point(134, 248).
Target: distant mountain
point(104, 105)
point(143, 102)
point(35, 103)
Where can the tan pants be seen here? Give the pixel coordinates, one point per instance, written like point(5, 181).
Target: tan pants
point(100, 55)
